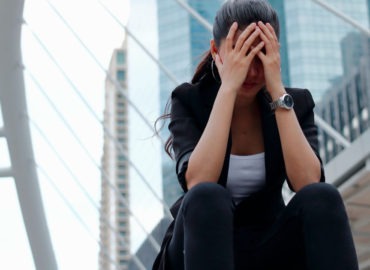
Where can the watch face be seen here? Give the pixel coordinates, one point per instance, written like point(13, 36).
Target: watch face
point(288, 101)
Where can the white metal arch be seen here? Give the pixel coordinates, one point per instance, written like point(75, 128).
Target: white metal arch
point(17, 134)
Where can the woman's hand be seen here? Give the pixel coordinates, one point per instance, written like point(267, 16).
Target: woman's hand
point(271, 60)
point(235, 62)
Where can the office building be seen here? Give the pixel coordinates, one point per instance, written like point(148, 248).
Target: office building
point(279, 6)
point(182, 43)
point(314, 36)
point(114, 215)
point(346, 105)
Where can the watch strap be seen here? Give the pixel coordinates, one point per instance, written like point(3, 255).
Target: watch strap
point(281, 102)
point(275, 104)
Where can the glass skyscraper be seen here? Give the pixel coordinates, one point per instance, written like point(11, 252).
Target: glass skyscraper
point(182, 42)
point(314, 36)
point(346, 105)
point(278, 5)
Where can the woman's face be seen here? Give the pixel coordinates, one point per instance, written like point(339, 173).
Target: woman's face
point(255, 78)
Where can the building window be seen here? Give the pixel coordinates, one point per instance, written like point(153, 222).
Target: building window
point(121, 57)
point(123, 262)
point(121, 158)
point(122, 224)
point(121, 122)
point(346, 131)
point(121, 131)
point(364, 114)
point(121, 75)
point(332, 114)
point(330, 146)
point(122, 166)
point(355, 123)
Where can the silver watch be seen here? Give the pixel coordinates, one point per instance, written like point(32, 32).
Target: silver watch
point(285, 101)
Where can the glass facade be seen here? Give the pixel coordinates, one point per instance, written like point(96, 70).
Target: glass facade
point(346, 105)
point(199, 36)
point(182, 42)
point(278, 5)
point(314, 36)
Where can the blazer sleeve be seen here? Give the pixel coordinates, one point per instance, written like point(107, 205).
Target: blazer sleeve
point(185, 131)
point(309, 128)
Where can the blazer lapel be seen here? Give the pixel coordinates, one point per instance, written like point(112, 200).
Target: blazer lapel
point(207, 90)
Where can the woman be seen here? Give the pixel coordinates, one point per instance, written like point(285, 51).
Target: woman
point(237, 134)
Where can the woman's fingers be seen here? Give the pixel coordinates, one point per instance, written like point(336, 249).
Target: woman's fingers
point(218, 62)
point(248, 43)
point(266, 30)
point(272, 46)
point(265, 38)
point(269, 37)
point(255, 50)
point(244, 36)
point(270, 59)
point(272, 30)
point(230, 36)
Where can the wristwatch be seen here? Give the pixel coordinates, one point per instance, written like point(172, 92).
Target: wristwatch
point(285, 101)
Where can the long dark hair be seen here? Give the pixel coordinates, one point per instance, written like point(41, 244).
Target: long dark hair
point(244, 12)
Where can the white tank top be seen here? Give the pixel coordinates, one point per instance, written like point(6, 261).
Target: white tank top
point(246, 175)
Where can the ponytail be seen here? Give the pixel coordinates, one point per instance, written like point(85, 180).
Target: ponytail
point(203, 67)
point(163, 118)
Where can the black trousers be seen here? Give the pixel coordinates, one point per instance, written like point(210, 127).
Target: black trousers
point(311, 233)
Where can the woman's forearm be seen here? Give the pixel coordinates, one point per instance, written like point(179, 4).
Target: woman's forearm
point(206, 161)
point(301, 163)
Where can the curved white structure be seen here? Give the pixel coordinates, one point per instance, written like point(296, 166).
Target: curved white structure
point(17, 133)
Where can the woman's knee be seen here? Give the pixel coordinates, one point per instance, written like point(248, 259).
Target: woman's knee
point(321, 198)
point(320, 191)
point(208, 196)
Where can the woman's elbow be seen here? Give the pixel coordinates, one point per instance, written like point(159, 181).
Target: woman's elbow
point(308, 177)
point(193, 178)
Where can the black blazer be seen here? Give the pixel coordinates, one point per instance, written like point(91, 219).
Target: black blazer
point(190, 109)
